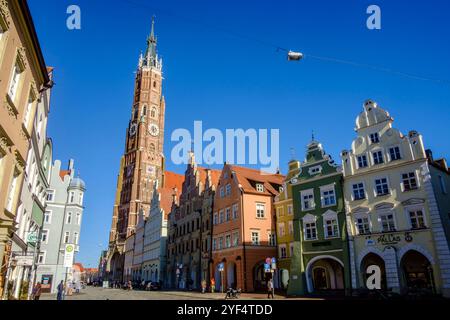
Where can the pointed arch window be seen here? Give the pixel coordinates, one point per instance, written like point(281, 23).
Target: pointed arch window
point(153, 112)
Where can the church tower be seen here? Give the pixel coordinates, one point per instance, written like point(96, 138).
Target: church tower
point(143, 161)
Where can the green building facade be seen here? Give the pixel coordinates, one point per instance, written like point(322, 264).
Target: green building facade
point(319, 264)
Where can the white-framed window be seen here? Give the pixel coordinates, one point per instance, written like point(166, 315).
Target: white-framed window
point(235, 238)
point(44, 236)
point(69, 218)
point(281, 229)
point(416, 218)
point(310, 231)
point(255, 238)
point(66, 237)
point(75, 237)
point(409, 181)
point(259, 187)
point(315, 170)
point(78, 218)
point(374, 138)
point(331, 228)
point(377, 157)
point(26, 118)
point(47, 217)
point(387, 222)
point(290, 209)
point(272, 238)
point(228, 240)
point(307, 197)
point(14, 83)
point(394, 153)
point(220, 243)
point(41, 257)
point(291, 227)
point(280, 212)
point(214, 244)
point(327, 196)
point(291, 249)
point(235, 211)
point(222, 192)
point(362, 224)
point(221, 216)
point(260, 210)
point(215, 218)
point(50, 195)
point(228, 189)
point(358, 191)
point(80, 199)
point(227, 214)
point(282, 251)
point(362, 161)
point(71, 197)
point(381, 187)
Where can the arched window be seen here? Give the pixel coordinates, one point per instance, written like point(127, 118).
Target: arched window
point(144, 110)
point(152, 147)
point(154, 84)
point(153, 112)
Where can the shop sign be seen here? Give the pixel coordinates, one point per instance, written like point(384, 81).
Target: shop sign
point(389, 238)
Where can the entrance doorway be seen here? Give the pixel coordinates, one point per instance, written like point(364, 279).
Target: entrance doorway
point(417, 271)
point(373, 259)
point(231, 275)
point(327, 274)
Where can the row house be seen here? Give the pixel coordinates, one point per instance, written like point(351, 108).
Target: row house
point(24, 77)
point(185, 256)
point(244, 233)
point(394, 208)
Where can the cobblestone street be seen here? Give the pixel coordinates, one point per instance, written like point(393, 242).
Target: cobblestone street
point(96, 293)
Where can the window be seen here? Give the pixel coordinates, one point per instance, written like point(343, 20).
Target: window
point(47, 217)
point(328, 196)
point(362, 161)
point(235, 239)
point(228, 240)
point(228, 189)
point(291, 249)
point(44, 236)
point(281, 229)
point(409, 181)
point(377, 157)
point(331, 228)
point(78, 218)
point(66, 237)
point(215, 218)
point(75, 237)
point(71, 196)
point(310, 231)
point(80, 199)
point(363, 225)
point(260, 207)
point(26, 118)
point(381, 187)
point(228, 214)
point(307, 199)
point(220, 243)
point(12, 193)
point(282, 251)
point(259, 187)
point(358, 191)
point(41, 258)
point(222, 194)
point(235, 211)
point(374, 138)
point(272, 238)
point(50, 195)
point(69, 218)
point(291, 227)
point(214, 244)
point(417, 219)
point(290, 211)
point(315, 170)
point(14, 81)
point(280, 212)
point(394, 153)
point(442, 184)
point(153, 112)
point(255, 238)
point(221, 216)
point(387, 222)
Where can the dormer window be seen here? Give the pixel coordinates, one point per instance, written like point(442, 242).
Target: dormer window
point(315, 170)
point(374, 138)
point(259, 187)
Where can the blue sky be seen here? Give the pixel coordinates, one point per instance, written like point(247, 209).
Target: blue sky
point(230, 81)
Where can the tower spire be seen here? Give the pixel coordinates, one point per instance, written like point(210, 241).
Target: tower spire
point(150, 53)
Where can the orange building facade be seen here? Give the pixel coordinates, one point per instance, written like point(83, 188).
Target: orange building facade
point(244, 233)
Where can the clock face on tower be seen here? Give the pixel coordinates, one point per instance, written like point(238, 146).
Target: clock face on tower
point(133, 129)
point(153, 129)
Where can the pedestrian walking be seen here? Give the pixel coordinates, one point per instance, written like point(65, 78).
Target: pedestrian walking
point(213, 285)
point(270, 289)
point(203, 286)
point(37, 290)
point(60, 288)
